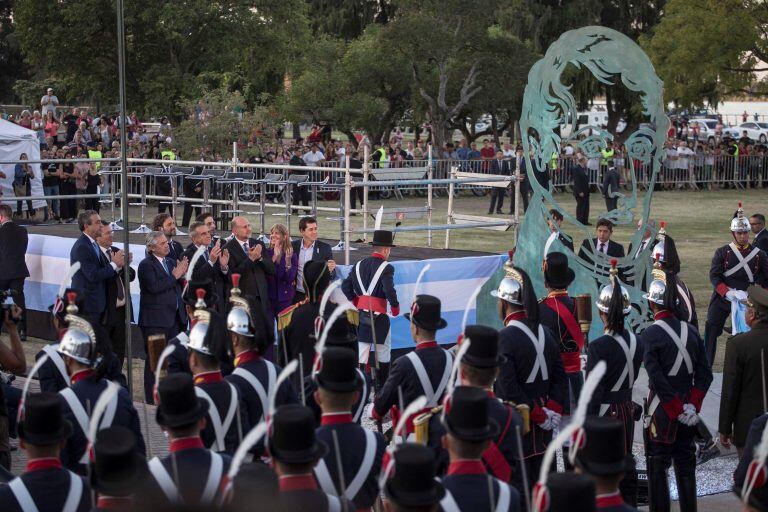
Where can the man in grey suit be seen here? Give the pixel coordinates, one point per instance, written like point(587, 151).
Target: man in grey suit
point(309, 248)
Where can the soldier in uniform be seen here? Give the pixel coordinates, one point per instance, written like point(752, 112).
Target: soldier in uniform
point(557, 311)
point(86, 366)
point(470, 430)
point(352, 465)
point(227, 420)
point(424, 371)
point(678, 377)
point(190, 474)
point(118, 471)
point(45, 485)
point(340, 335)
point(479, 368)
point(253, 376)
point(532, 372)
point(412, 486)
point(296, 323)
point(734, 267)
point(604, 457)
point(665, 252)
point(295, 451)
point(370, 285)
point(619, 348)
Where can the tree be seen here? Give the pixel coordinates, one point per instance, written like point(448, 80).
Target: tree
point(12, 66)
point(168, 46)
point(218, 119)
point(707, 49)
point(345, 19)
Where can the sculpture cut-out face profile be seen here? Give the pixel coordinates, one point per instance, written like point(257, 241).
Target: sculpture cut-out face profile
point(612, 58)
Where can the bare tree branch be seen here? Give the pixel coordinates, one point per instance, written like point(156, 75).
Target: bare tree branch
point(443, 85)
point(468, 90)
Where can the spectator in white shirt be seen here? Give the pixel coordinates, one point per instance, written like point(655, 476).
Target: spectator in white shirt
point(49, 102)
point(313, 156)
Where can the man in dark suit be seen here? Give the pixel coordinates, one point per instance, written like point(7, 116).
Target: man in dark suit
point(161, 308)
point(500, 167)
point(757, 223)
point(581, 188)
point(602, 244)
point(95, 272)
point(744, 376)
point(309, 248)
point(213, 266)
point(300, 194)
point(13, 267)
point(117, 298)
point(246, 258)
point(165, 223)
point(525, 187)
point(611, 188)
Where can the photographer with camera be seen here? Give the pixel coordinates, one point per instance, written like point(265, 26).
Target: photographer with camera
point(12, 361)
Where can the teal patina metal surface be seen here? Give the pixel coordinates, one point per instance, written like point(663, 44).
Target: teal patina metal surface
point(548, 103)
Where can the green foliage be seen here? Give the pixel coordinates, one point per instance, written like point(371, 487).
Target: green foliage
point(218, 119)
point(168, 46)
point(706, 49)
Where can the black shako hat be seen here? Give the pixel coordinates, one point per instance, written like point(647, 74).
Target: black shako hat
point(425, 313)
point(603, 453)
point(316, 279)
point(383, 238)
point(413, 483)
point(43, 422)
point(190, 294)
point(340, 334)
point(338, 370)
point(179, 405)
point(467, 415)
point(292, 438)
point(571, 492)
point(556, 272)
point(118, 467)
point(483, 351)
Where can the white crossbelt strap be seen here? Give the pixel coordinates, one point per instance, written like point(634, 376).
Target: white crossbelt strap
point(680, 341)
point(448, 503)
point(743, 262)
point(21, 493)
point(502, 504)
point(164, 480)
point(629, 354)
point(215, 472)
point(334, 503)
point(82, 416)
point(256, 383)
point(354, 486)
point(684, 295)
point(432, 395)
point(374, 281)
point(214, 478)
point(74, 494)
point(361, 406)
point(56, 359)
point(540, 364)
point(220, 428)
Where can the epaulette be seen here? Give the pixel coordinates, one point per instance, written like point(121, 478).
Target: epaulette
point(353, 317)
point(285, 316)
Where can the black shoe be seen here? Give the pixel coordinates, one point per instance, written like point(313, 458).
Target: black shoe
point(706, 452)
point(499, 212)
point(490, 212)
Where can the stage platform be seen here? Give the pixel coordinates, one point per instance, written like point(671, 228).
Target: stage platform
point(363, 250)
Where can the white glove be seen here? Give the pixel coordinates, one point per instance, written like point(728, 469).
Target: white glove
point(556, 418)
point(552, 421)
point(689, 416)
point(731, 294)
point(740, 294)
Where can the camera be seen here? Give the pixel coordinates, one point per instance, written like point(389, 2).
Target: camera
point(6, 299)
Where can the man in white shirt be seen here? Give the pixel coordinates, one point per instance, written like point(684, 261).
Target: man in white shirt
point(314, 156)
point(49, 102)
point(310, 248)
point(684, 154)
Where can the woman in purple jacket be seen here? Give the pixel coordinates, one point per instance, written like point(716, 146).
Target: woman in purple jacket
point(282, 286)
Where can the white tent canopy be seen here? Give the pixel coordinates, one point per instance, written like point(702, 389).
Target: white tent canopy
point(15, 140)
